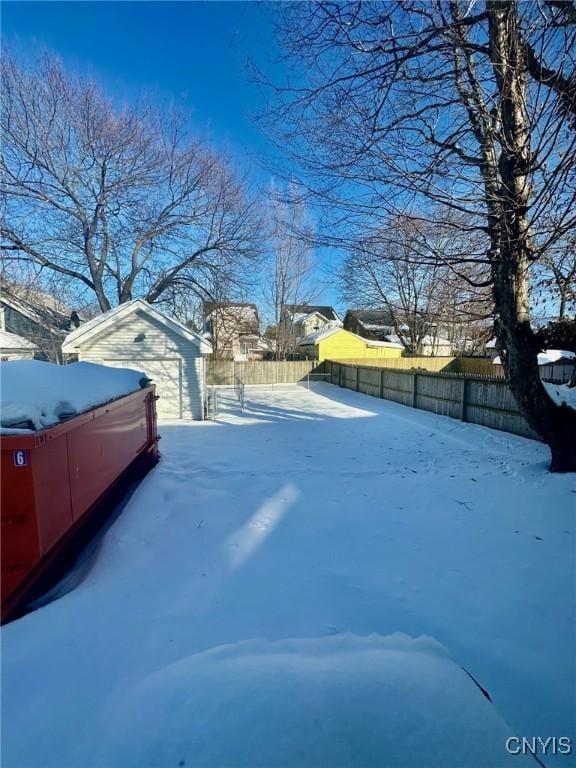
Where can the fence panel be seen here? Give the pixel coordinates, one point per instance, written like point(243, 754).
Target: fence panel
point(557, 372)
point(398, 386)
point(349, 376)
point(219, 372)
point(475, 366)
point(444, 396)
point(369, 381)
point(482, 400)
point(262, 372)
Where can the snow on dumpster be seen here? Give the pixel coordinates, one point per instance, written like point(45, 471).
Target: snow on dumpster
point(35, 394)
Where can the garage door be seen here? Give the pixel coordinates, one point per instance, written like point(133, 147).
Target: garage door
point(167, 375)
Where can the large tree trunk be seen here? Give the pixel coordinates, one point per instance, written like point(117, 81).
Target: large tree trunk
point(517, 345)
point(518, 348)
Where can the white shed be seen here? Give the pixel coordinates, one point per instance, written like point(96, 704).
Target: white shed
point(137, 335)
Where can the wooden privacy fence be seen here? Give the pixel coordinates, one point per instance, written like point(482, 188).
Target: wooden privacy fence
point(484, 400)
point(224, 372)
point(474, 366)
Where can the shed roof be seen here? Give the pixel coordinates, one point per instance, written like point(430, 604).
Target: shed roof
point(99, 324)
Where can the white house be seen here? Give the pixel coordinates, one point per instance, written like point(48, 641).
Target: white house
point(302, 320)
point(137, 335)
point(430, 346)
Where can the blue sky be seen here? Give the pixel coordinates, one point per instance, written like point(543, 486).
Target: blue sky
point(193, 54)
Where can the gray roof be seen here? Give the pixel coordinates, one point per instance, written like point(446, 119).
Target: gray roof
point(328, 312)
point(37, 306)
point(374, 317)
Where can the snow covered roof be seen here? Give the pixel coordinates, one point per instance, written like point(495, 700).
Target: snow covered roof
point(554, 355)
point(13, 341)
point(374, 326)
point(315, 338)
point(427, 341)
point(547, 356)
point(307, 309)
point(318, 336)
point(98, 324)
point(390, 344)
point(301, 317)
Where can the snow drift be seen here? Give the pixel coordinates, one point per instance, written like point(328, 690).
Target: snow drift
point(35, 394)
point(332, 701)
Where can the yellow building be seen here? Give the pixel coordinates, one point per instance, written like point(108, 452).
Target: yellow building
point(338, 344)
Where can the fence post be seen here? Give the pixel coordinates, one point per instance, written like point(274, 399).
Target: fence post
point(464, 397)
point(357, 378)
point(381, 383)
point(414, 389)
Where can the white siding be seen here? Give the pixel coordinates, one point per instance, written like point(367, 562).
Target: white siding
point(15, 354)
point(141, 342)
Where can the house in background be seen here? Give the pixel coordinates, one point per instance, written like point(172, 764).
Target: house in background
point(36, 317)
point(431, 345)
point(556, 365)
point(337, 344)
point(14, 347)
point(491, 350)
point(376, 324)
point(301, 320)
point(233, 329)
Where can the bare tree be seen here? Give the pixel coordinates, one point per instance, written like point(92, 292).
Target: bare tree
point(404, 106)
point(290, 281)
point(556, 277)
point(119, 202)
point(405, 271)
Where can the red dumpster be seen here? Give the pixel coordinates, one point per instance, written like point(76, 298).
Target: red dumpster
point(55, 479)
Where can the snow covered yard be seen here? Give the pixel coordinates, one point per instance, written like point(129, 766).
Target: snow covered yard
point(317, 525)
